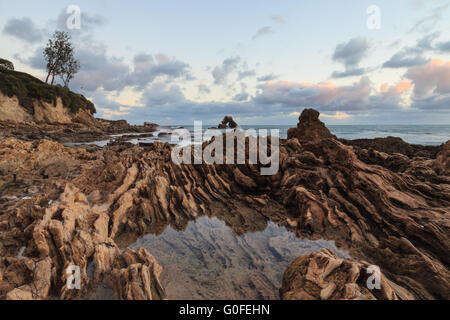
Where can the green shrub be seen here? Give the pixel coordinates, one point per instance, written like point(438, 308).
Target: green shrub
point(6, 65)
point(29, 89)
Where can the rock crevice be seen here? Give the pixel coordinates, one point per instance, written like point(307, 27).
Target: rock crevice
point(395, 215)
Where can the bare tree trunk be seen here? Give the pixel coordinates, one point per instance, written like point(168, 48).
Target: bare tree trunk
point(48, 76)
point(50, 70)
point(67, 80)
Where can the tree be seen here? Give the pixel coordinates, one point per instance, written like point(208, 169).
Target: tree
point(6, 65)
point(68, 71)
point(58, 53)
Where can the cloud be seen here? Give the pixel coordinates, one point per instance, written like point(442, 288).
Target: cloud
point(166, 102)
point(429, 22)
point(98, 70)
point(88, 23)
point(36, 60)
point(147, 69)
point(430, 85)
point(109, 108)
point(350, 55)
point(221, 73)
point(158, 82)
point(266, 30)
point(339, 115)
point(161, 94)
point(163, 101)
point(23, 29)
point(349, 73)
point(277, 19)
point(404, 60)
point(432, 78)
point(426, 42)
point(262, 32)
point(443, 46)
point(246, 74)
point(203, 89)
point(243, 96)
point(411, 56)
point(327, 96)
point(267, 77)
point(398, 88)
point(435, 103)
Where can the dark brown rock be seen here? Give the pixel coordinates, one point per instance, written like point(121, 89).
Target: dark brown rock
point(442, 162)
point(392, 145)
point(310, 128)
point(228, 122)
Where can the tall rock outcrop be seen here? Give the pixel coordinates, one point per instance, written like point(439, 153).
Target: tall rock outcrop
point(310, 128)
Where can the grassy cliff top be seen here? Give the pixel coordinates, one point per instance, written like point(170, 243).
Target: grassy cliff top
point(29, 89)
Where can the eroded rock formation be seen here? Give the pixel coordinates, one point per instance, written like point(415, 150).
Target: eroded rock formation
point(324, 276)
point(310, 128)
point(385, 209)
point(228, 122)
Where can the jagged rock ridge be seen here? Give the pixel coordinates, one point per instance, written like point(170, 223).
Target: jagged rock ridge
point(395, 216)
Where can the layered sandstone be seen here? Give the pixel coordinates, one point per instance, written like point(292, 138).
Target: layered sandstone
point(324, 276)
point(389, 210)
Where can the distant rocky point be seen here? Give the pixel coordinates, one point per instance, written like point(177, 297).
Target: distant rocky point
point(31, 109)
point(228, 122)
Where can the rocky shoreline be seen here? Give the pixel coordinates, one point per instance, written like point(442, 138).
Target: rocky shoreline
point(83, 129)
point(386, 204)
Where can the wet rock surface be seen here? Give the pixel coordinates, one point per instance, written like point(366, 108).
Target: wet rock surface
point(79, 205)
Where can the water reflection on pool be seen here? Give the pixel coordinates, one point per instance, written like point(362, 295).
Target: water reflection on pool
point(209, 261)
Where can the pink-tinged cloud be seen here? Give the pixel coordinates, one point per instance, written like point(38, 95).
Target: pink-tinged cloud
point(432, 78)
point(327, 96)
point(394, 93)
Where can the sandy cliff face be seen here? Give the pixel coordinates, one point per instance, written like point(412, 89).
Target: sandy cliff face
point(57, 122)
point(44, 112)
point(10, 110)
point(49, 113)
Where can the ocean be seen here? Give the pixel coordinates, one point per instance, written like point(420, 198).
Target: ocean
point(413, 134)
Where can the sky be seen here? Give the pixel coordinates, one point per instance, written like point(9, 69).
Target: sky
point(263, 62)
